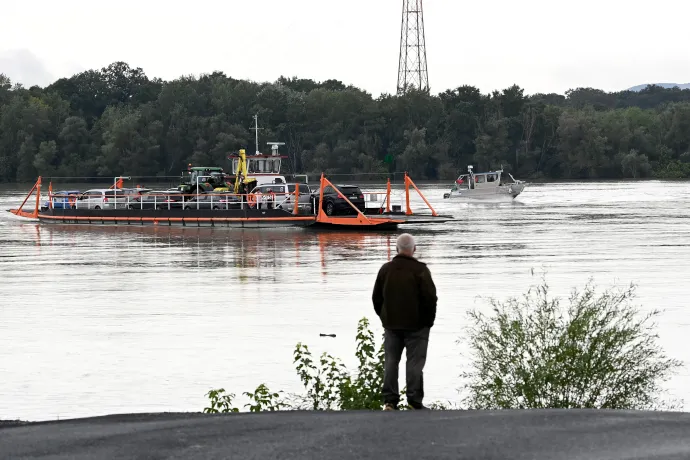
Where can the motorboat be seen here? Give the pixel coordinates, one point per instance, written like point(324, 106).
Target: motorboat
point(486, 185)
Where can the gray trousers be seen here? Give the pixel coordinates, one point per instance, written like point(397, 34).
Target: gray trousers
point(416, 344)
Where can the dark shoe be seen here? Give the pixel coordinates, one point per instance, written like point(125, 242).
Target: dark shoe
point(418, 407)
point(389, 406)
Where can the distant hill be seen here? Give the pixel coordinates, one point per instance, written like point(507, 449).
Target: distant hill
point(663, 85)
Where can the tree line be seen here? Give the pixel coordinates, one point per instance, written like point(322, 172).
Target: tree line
point(117, 120)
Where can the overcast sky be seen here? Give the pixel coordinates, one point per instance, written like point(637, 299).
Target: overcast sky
point(541, 45)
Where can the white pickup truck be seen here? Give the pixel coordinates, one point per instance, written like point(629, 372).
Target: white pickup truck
point(281, 196)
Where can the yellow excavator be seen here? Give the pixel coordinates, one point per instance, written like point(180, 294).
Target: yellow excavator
point(241, 176)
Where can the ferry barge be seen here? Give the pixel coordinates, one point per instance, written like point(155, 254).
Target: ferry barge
point(122, 206)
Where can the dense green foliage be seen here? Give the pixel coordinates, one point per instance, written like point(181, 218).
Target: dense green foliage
point(599, 352)
point(118, 121)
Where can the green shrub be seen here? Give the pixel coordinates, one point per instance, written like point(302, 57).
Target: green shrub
point(321, 381)
point(599, 352)
point(363, 389)
point(262, 399)
point(221, 403)
point(331, 386)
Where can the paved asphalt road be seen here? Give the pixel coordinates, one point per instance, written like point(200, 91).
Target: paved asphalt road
point(543, 434)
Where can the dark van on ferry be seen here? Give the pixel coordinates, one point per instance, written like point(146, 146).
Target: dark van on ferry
point(334, 202)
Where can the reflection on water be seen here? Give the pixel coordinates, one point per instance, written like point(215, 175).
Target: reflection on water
point(203, 247)
point(96, 320)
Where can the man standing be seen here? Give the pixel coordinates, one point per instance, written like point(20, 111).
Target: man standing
point(405, 299)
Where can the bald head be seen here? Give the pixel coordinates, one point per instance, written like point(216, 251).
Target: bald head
point(405, 244)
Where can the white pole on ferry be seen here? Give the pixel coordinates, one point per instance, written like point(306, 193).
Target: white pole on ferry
point(197, 189)
point(197, 192)
point(256, 132)
point(115, 188)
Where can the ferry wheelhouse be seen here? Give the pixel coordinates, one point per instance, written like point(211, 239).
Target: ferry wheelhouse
point(264, 169)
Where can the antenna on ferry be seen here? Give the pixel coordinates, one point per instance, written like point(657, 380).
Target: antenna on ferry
point(274, 147)
point(256, 133)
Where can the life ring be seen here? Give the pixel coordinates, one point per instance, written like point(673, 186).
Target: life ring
point(251, 200)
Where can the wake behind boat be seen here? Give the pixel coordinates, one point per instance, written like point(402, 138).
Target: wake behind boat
point(488, 185)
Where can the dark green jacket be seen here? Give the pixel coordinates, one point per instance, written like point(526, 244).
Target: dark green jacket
point(405, 295)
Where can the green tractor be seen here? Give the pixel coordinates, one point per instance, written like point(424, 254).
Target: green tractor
point(207, 178)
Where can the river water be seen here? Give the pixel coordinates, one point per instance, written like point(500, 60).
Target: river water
point(110, 320)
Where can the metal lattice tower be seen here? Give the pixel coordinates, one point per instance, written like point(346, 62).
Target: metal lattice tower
point(412, 70)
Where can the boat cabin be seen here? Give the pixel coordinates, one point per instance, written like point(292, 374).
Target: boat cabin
point(262, 168)
point(259, 164)
point(474, 180)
